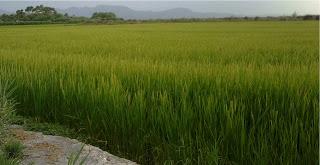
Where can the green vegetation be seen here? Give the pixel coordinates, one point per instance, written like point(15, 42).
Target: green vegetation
point(37, 13)
point(46, 15)
point(74, 158)
point(5, 161)
point(6, 105)
point(34, 124)
point(188, 93)
point(104, 16)
point(13, 149)
point(7, 156)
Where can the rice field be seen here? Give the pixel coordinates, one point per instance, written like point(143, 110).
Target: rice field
point(185, 93)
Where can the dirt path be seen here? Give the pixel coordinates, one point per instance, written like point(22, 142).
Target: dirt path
point(55, 150)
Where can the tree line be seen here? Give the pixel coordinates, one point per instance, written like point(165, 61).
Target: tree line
point(44, 15)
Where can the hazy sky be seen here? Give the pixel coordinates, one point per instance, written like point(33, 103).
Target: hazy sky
point(240, 7)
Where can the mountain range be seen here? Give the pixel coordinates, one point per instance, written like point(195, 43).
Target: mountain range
point(127, 13)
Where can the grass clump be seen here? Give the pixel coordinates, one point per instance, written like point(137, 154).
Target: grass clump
point(12, 149)
point(5, 161)
point(75, 159)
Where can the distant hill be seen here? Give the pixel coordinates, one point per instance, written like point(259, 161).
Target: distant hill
point(127, 13)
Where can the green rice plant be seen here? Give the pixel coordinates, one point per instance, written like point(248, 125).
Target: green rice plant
point(6, 107)
point(6, 102)
point(187, 93)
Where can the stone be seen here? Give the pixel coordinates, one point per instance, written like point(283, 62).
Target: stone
point(55, 150)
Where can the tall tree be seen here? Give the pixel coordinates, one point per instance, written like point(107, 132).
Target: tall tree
point(29, 9)
point(20, 14)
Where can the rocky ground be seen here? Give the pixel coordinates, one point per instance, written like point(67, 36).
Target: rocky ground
point(55, 150)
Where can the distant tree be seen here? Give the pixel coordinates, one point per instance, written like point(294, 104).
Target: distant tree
point(104, 16)
point(310, 17)
point(8, 18)
point(43, 10)
point(39, 14)
point(294, 14)
point(29, 9)
point(49, 11)
point(20, 15)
